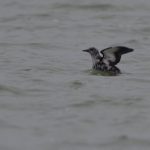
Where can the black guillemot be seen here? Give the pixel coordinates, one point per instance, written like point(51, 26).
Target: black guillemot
point(108, 58)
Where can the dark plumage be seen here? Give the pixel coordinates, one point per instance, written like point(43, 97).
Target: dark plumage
point(108, 59)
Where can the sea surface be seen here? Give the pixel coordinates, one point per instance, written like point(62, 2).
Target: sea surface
point(49, 97)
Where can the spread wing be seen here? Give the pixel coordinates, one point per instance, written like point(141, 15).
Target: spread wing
point(112, 55)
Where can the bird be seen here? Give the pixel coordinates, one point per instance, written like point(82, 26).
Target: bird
point(108, 58)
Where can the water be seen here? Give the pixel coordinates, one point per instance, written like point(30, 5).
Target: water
point(49, 99)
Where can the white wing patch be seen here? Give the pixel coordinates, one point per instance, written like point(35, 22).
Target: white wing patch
point(109, 55)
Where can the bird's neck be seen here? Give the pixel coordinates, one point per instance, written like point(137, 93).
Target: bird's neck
point(95, 59)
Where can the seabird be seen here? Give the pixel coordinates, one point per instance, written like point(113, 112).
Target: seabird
point(107, 59)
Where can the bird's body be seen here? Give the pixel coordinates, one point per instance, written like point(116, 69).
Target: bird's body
point(108, 59)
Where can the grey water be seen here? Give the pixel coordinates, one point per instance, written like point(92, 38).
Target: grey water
point(49, 99)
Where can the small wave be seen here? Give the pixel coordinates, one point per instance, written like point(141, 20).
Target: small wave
point(10, 89)
point(76, 6)
point(84, 104)
point(100, 6)
point(76, 84)
point(132, 141)
point(84, 7)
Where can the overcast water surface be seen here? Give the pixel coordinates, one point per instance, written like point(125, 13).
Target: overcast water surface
point(50, 99)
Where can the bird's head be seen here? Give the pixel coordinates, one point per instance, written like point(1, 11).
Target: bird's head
point(96, 58)
point(92, 50)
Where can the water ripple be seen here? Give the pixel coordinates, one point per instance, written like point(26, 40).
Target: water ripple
point(76, 84)
point(96, 7)
point(10, 89)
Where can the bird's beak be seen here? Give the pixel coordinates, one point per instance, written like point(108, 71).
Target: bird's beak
point(85, 50)
point(131, 50)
